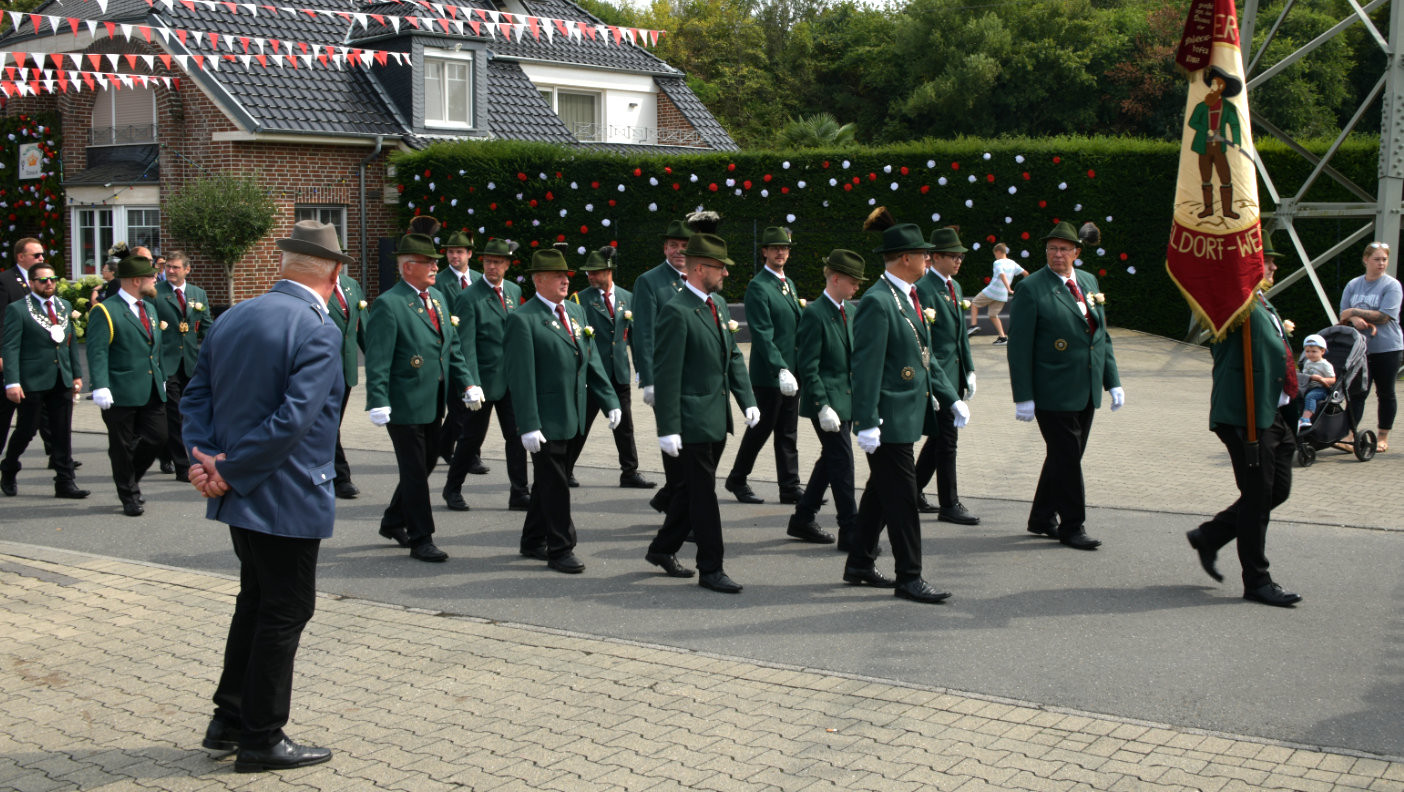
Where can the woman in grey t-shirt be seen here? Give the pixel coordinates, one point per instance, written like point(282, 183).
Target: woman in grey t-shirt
point(1370, 304)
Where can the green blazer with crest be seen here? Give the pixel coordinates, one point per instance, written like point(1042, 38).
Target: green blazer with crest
point(1227, 404)
point(548, 373)
point(696, 369)
point(409, 365)
point(950, 344)
point(179, 350)
point(482, 330)
point(891, 387)
point(121, 356)
point(652, 291)
point(351, 324)
point(38, 362)
point(612, 334)
point(773, 313)
point(823, 351)
point(1053, 359)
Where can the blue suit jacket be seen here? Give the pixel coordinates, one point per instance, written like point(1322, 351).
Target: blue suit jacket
point(273, 413)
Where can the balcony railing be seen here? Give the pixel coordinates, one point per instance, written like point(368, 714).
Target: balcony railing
point(636, 134)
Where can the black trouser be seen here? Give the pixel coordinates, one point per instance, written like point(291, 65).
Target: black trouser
point(779, 414)
point(623, 435)
point(832, 470)
point(55, 405)
point(1260, 490)
point(454, 430)
point(938, 458)
point(1384, 368)
point(277, 594)
point(134, 436)
point(548, 524)
point(693, 508)
point(889, 498)
point(175, 446)
point(416, 453)
point(469, 449)
point(1061, 498)
point(339, 463)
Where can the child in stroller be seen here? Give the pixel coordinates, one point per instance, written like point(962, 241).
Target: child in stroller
point(1316, 377)
point(1331, 421)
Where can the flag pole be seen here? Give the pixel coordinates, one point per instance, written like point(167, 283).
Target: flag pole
point(1250, 446)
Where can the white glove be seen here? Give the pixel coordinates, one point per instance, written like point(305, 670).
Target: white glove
point(648, 395)
point(532, 441)
point(789, 386)
point(473, 398)
point(1118, 398)
point(962, 413)
point(752, 416)
point(1024, 410)
point(870, 439)
point(615, 416)
point(670, 444)
point(935, 405)
point(380, 416)
point(828, 419)
point(970, 386)
point(102, 397)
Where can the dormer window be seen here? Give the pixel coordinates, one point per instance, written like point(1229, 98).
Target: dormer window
point(579, 110)
point(123, 117)
point(448, 89)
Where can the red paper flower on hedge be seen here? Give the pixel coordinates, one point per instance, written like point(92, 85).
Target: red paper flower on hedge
point(532, 203)
point(857, 180)
point(1091, 174)
point(1024, 235)
point(550, 197)
point(668, 169)
point(712, 186)
point(925, 188)
point(1026, 175)
point(825, 164)
point(989, 177)
point(991, 239)
point(746, 184)
point(595, 185)
point(1101, 273)
point(560, 237)
point(558, 175)
point(848, 188)
point(955, 166)
point(611, 202)
point(584, 229)
point(1057, 160)
point(766, 177)
point(872, 177)
point(614, 243)
point(1123, 256)
point(1043, 204)
point(492, 206)
point(508, 223)
point(426, 173)
point(521, 176)
point(677, 186)
point(786, 190)
point(638, 171)
point(903, 170)
point(533, 243)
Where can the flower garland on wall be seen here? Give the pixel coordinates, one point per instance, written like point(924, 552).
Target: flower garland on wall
point(31, 192)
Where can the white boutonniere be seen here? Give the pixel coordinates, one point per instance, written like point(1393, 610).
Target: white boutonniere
point(361, 305)
point(163, 324)
point(965, 305)
point(453, 320)
point(1289, 325)
point(628, 316)
point(199, 306)
point(74, 314)
point(803, 303)
point(929, 314)
point(1099, 298)
point(589, 331)
point(733, 325)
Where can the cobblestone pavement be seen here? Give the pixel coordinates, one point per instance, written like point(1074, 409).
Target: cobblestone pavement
point(108, 667)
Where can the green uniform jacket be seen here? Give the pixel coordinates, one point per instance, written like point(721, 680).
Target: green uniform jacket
point(1053, 360)
point(695, 370)
point(409, 366)
point(42, 364)
point(1226, 402)
point(612, 335)
point(891, 387)
point(823, 349)
point(121, 357)
point(447, 281)
point(773, 313)
point(351, 326)
point(548, 373)
point(182, 348)
point(482, 328)
point(652, 291)
point(950, 344)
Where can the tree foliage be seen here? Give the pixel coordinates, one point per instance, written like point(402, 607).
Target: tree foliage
point(221, 216)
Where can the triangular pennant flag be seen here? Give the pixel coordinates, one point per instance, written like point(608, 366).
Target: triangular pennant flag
point(181, 34)
point(16, 19)
point(166, 59)
point(131, 60)
point(506, 17)
point(535, 25)
point(102, 80)
point(10, 72)
point(506, 30)
point(214, 40)
point(126, 79)
point(111, 29)
point(127, 31)
point(233, 9)
point(444, 23)
point(102, 4)
point(379, 57)
point(183, 61)
point(253, 9)
point(306, 60)
point(35, 74)
point(247, 60)
point(361, 20)
point(413, 21)
point(112, 59)
point(614, 31)
point(95, 59)
point(262, 60)
point(561, 26)
point(149, 60)
point(56, 24)
point(395, 23)
point(34, 20)
point(164, 33)
point(49, 86)
point(476, 26)
point(517, 28)
point(19, 59)
point(199, 61)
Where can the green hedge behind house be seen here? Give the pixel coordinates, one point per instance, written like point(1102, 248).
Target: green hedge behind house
point(1009, 190)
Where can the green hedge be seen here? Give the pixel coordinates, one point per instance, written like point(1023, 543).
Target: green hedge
point(1009, 190)
point(32, 207)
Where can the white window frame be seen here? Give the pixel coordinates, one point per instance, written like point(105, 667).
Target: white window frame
point(321, 213)
point(107, 100)
point(120, 233)
point(442, 57)
point(551, 93)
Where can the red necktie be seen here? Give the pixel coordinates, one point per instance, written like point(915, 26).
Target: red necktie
point(433, 317)
point(843, 315)
point(715, 319)
point(565, 321)
point(500, 299)
point(609, 304)
point(950, 287)
point(53, 317)
point(463, 281)
point(345, 310)
point(1077, 295)
point(916, 301)
point(145, 320)
point(180, 295)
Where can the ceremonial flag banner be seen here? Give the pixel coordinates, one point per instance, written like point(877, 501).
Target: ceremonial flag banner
point(1215, 253)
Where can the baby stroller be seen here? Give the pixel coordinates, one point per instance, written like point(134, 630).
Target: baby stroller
point(1345, 349)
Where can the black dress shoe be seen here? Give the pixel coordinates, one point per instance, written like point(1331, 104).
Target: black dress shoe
point(659, 501)
point(167, 467)
point(346, 490)
point(809, 532)
point(428, 552)
point(1050, 531)
point(957, 513)
point(867, 577)
point(133, 509)
point(519, 504)
point(571, 480)
point(1207, 557)
point(478, 468)
point(669, 564)
point(283, 755)
point(925, 506)
point(919, 590)
point(539, 553)
point(221, 736)
point(718, 581)
point(1272, 594)
point(791, 495)
point(567, 563)
point(1078, 540)
point(743, 492)
point(7, 484)
point(635, 481)
point(70, 491)
point(140, 499)
point(396, 534)
point(455, 502)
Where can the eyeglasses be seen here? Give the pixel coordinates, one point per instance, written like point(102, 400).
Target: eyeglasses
point(1380, 245)
point(1065, 250)
point(50, 279)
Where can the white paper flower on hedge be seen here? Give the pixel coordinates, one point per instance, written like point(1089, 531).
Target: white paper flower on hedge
point(800, 184)
point(765, 193)
point(462, 172)
point(1077, 208)
point(605, 222)
point(589, 207)
point(410, 205)
point(621, 188)
point(833, 182)
point(653, 207)
point(574, 186)
point(470, 210)
point(1109, 218)
point(739, 191)
point(789, 218)
point(580, 251)
point(826, 204)
point(541, 176)
point(1019, 158)
point(941, 181)
point(652, 181)
point(986, 156)
point(519, 196)
point(693, 178)
point(935, 217)
point(931, 163)
point(1062, 185)
point(845, 163)
point(893, 186)
point(969, 203)
point(872, 202)
point(535, 223)
point(416, 176)
point(731, 182)
point(431, 187)
point(1023, 254)
point(1008, 220)
point(492, 186)
point(563, 213)
point(974, 245)
point(1101, 251)
point(1013, 190)
point(453, 202)
point(785, 164)
point(1131, 270)
point(887, 169)
point(972, 178)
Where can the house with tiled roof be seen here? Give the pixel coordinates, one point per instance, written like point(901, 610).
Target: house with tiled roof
point(313, 97)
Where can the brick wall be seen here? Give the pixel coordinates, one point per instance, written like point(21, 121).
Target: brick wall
point(672, 119)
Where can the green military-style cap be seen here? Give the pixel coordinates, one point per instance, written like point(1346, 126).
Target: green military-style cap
point(776, 236)
point(708, 246)
point(947, 240)
point(548, 260)
point(846, 262)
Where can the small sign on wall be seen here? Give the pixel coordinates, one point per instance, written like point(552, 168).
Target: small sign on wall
point(31, 161)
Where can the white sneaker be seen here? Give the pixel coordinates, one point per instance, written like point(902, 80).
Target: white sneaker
point(972, 330)
point(1001, 341)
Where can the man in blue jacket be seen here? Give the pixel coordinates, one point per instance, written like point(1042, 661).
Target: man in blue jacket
point(261, 434)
